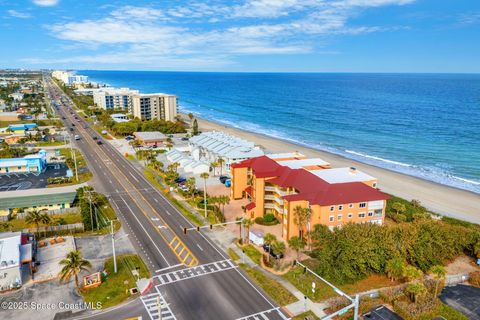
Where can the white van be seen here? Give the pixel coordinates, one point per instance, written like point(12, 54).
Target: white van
point(77, 137)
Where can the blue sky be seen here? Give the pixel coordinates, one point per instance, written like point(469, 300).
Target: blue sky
point(243, 35)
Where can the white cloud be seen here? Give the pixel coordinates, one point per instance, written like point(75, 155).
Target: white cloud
point(46, 3)
point(150, 36)
point(18, 14)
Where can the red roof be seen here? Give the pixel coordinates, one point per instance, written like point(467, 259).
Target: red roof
point(309, 186)
point(250, 206)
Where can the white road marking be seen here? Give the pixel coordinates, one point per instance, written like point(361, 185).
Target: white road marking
point(141, 225)
point(155, 200)
point(263, 314)
point(199, 247)
point(193, 272)
point(134, 177)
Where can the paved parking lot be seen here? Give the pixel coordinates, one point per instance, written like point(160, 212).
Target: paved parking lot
point(23, 181)
point(463, 298)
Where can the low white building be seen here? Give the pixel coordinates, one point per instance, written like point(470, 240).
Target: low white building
point(12, 255)
point(187, 163)
point(213, 145)
point(119, 117)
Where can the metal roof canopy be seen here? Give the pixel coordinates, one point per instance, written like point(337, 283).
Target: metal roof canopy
point(37, 200)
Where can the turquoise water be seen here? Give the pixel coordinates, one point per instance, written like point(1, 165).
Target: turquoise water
point(425, 125)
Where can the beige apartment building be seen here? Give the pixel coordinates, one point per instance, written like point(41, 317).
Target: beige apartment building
point(158, 106)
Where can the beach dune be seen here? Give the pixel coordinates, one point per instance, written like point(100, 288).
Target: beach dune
point(435, 197)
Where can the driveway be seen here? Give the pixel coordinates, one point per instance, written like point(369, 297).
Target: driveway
point(463, 298)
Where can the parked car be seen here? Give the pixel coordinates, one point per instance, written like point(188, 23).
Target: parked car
point(228, 183)
point(95, 137)
point(128, 138)
point(180, 180)
point(223, 179)
point(99, 142)
point(266, 248)
point(77, 137)
point(184, 139)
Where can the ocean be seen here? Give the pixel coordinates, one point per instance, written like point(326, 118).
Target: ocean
point(424, 125)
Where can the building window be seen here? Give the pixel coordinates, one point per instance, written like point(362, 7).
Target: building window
point(370, 214)
point(361, 215)
point(350, 205)
point(332, 208)
point(350, 216)
point(339, 217)
point(340, 208)
point(374, 184)
point(363, 204)
point(331, 218)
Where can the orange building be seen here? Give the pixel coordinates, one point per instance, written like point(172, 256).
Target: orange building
point(277, 184)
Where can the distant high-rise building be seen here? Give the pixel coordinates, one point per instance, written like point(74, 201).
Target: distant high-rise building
point(112, 99)
point(69, 77)
point(158, 106)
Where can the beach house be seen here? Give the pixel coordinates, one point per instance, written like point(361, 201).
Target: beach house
point(280, 184)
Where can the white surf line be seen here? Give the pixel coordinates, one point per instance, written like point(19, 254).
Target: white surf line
point(141, 225)
point(170, 267)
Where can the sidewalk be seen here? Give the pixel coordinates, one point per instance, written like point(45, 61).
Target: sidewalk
point(225, 239)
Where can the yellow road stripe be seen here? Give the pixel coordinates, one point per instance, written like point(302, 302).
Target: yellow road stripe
point(127, 190)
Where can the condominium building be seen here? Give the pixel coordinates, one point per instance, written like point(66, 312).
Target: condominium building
point(113, 99)
point(151, 106)
point(279, 185)
point(69, 77)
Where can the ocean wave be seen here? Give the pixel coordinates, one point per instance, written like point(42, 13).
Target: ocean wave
point(427, 173)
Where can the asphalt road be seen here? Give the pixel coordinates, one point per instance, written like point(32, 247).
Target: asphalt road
point(156, 229)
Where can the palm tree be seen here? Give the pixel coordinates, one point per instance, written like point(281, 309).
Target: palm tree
point(247, 223)
point(269, 239)
point(296, 244)
point(301, 218)
point(278, 247)
point(416, 290)
point(34, 217)
point(205, 176)
point(46, 220)
point(438, 273)
point(394, 268)
point(190, 184)
point(73, 265)
point(223, 201)
point(220, 162)
point(411, 273)
point(214, 165)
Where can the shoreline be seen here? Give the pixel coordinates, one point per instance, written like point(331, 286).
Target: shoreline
point(438, 198)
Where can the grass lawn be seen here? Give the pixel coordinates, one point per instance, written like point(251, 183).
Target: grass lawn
point(81, 163)
point(68, 218)
point(155, 179)
point(252, 253)
point(115, 288)
point(50, 143)
point(274, 289)
point(233, 255)
point(302, 316)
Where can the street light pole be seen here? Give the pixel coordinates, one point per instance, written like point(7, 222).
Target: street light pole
point(113, 248)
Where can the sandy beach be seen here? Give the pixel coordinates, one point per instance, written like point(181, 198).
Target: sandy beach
point(438, 198)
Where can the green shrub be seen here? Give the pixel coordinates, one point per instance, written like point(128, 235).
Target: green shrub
point(267, 220)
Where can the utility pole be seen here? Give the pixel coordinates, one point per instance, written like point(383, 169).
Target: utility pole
point(355, 310)
point(91, 215)
point(159, 306)
point(113, 248)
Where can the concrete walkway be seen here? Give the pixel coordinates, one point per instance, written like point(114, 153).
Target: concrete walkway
point(226, 240)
